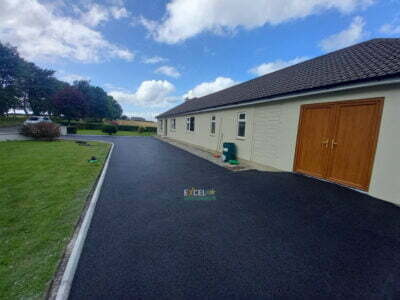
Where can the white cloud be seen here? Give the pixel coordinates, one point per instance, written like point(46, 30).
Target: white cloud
point(40, 33)
point(206, 88)
point(154, 60)
point(96, 13)
point(169, 71)
point(273, 66)
point(185, 19)
point(351, 35)
point(119, 12)
point(151, 93)
point(150, 25)
point(122, 53)
point(390, 29)
point(70, 78)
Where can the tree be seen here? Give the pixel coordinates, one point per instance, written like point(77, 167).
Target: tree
point(25, 85)
point(97, 103)
point(9, 61)
point(54, 86)
point(70, 103)
point(38, 86)
point(114, 109)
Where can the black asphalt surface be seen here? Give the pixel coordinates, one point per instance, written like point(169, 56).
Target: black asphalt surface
point(267, 235)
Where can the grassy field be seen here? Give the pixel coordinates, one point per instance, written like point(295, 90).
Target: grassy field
point(43, 189)
point(137, 123)
point(11, 121)
point(119, 133)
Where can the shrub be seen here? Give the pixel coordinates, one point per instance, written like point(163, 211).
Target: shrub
point(41, 131)
point(72, 129)
point(110, 129)
point(141, 129)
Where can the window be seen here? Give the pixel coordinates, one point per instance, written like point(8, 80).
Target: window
point(187, 124)
point(173, 124)
point(161, 124)
point(241, 125)
point(213, 124)
point(190, 124)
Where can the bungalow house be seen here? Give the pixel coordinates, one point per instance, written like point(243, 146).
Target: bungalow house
point(334, 117)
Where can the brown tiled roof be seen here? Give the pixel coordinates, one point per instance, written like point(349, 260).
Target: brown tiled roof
point(368, 61)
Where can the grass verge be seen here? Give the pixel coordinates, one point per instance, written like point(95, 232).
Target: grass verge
point(43, 189)
point(119, 133)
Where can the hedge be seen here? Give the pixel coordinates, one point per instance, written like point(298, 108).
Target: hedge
point(93, 126)
point(128, 127)
point(99, 126)
point(110, 128)
point(151, 129)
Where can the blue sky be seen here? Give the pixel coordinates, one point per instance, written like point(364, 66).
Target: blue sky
point(150, 55)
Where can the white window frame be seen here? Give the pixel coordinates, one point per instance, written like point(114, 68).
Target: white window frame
point(188, 124)
point(241, 121)
point(173, 124)
point(213, 121)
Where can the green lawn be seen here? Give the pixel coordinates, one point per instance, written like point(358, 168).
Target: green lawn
point(11, 121)
point(119, 133)
point(43, 189)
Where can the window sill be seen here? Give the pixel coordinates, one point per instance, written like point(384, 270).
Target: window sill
point(242, 138)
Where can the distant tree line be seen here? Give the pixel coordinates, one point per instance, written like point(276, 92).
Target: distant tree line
point(133, 118)
point(23, 85)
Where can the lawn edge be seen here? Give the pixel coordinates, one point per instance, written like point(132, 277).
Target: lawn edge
point(60, 286)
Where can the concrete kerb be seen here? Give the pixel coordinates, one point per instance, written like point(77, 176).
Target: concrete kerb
point(61, 291)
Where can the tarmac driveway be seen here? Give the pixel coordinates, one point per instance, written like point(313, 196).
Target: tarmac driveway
point(10, 134)
point(270, 235)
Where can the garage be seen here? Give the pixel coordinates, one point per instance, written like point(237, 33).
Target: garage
point(337, 141)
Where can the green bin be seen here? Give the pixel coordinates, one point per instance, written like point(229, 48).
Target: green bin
point(229, 152)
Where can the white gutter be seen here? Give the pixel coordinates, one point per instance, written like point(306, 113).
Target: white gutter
point(350, 87)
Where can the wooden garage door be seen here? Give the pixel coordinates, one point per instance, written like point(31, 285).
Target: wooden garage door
point(337, 141)
point(313, 146)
